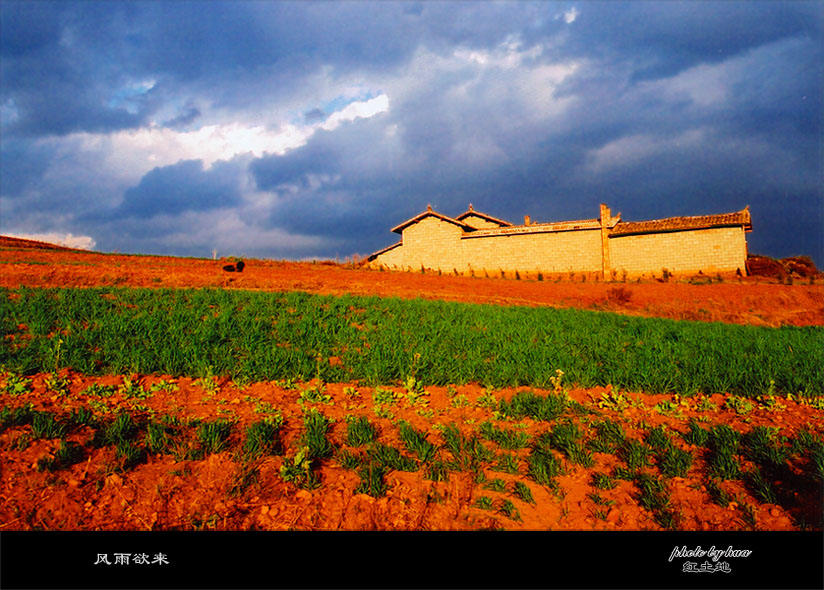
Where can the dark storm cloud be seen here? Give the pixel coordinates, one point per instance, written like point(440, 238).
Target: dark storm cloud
point(664, 38)
point(30, 163)
point(675, 108)
point(185, 186)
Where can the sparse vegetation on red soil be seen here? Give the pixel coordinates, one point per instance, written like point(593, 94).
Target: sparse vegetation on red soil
point(155, 451)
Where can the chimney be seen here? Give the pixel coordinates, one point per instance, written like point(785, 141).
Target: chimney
point(527, 221)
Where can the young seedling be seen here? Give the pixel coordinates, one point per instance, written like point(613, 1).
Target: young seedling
point(298, 470)
point(158, 437)
point(390, 458)
point(16, 385)
point(635, 454)
point(16, 417)
point(214, 436)
point(523, 492)
point(566, 438)
point(348, 459)
point(129, 453)
point(57, 384)
point(122, 428)
point(723, 443)
point(496, 485)
point(509, 510)
point(82, 417)
point(610, 436)
point(484, 503)
point(507, 439)
point(542, 465)
point(68, 454)
point(44, 425)
point(262, 439)
point(717, 494)
point(506, 463)
point(359, 431)
point(602, 481)
point(316, 426)
point(761, 488)
point(373, 483)
point(415, 442)
point(654, 496)
point(437, 471)
point(467, 452)
point(537, 407)
point(675, 462)
point(696, 435)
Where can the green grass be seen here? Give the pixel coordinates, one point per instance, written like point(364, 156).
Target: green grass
point(530, 404)
point(256, 336)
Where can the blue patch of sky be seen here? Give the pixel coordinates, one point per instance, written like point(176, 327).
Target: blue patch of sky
point(127, 96)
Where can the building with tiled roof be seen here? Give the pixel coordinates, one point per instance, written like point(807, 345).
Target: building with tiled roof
point(477, 242)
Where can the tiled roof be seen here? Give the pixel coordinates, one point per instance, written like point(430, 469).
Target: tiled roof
point(470, 212)
point(741, 218)
point(387, 249)
point(430, 213)
point(535, 228)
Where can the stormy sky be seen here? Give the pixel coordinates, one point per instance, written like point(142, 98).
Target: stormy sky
point(299, 130)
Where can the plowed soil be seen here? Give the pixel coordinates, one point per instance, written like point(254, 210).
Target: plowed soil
point(171, 490)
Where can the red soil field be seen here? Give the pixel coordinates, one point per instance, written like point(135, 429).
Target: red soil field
point(753, 300)
point(219, 492)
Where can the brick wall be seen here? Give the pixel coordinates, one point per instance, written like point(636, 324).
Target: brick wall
point(549, 252)
point(479, 222)
point(720, 249)
point(436, 244)
point(432, 243)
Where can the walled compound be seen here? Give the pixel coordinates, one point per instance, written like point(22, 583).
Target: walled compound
point(476, 242)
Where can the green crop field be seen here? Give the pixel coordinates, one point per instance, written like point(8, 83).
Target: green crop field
point(259, 336)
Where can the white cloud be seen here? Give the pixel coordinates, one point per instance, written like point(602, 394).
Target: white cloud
point(357, 110)
point(132, 153)
point(60, 239)
point(506, 55)
point(704, 85)
point(630, 150)
point(569, 16)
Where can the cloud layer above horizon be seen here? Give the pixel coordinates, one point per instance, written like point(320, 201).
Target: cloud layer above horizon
point(308, 129)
